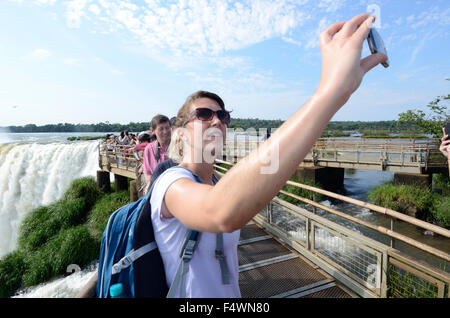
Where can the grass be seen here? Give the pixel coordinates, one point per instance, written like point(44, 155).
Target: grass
point(53, 237)
point(98, 218)
point(70, 246)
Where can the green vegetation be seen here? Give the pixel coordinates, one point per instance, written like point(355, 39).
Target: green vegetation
point(430, 122)
point(411, 124)
point(395, 197)
point(52, 237)
point(415, 201)
point(442, 181)
point(334, 128)
point(440, 211)
point(403, 284)
point(99, 215)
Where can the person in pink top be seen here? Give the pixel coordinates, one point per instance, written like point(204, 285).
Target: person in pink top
point(156, 151)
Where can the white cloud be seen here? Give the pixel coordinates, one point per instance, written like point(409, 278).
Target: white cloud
point(314, 39)
point(94, 9)
point(197, 28)
point(38, 54)
point(72, 61)
point(74, 13)
point(292, 41)
point(433, 16)
point(46, 2)
point(331, 5)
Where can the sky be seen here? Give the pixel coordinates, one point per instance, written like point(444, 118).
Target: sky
point(122, 61)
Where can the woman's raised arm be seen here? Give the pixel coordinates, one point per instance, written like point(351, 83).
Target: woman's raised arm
point(248, 187)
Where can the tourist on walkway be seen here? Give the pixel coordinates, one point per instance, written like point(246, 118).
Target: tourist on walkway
point(124, 138)
point(156, 151)
point(180, 203)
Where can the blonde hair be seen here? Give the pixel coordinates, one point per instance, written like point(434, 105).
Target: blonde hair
point(175, 151)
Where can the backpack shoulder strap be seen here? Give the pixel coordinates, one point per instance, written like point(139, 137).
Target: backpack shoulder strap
point(187, 251)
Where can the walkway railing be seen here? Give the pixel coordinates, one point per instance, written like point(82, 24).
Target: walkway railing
point(367, 266)
point(407, 156)
point(118, 159)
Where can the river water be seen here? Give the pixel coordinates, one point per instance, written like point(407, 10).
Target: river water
point(28, 181)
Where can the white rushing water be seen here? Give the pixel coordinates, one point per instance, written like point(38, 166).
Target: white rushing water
point(65, 287)
point(36, 174)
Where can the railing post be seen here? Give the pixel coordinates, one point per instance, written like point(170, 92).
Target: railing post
point(314, 207)
point(392, 229)
point(269, 212)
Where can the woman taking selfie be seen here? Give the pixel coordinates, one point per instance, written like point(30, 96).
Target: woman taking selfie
point(179, 202)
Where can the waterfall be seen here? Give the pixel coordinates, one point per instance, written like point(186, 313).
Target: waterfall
point(35, 174)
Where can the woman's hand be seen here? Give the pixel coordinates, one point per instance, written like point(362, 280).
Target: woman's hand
point(445, 145)
point(341, 46)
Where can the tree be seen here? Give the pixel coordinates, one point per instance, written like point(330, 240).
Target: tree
point(432, 122)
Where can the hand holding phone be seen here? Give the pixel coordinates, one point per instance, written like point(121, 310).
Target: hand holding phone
point(376, 44)
point(447, 128)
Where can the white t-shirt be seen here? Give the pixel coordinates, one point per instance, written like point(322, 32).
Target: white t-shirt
point(204, 279)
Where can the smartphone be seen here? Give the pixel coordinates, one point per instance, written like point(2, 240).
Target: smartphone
point(447, 128)
point(376, 44)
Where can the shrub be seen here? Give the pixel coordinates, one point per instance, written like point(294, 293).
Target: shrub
point(100, 213)
point(385, 196)
point(440, 211)
point(391, 196)
point(12, 268)
point(442, 181)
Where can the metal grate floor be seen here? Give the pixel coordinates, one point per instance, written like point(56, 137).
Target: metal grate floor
point(268, 269)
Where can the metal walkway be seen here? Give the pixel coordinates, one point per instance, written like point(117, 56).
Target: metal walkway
point(399, 156)
point(309, 255)
point(268, 268)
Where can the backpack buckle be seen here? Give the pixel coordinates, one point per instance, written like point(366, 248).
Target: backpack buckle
point(219, 254)
point(125, 262)
point(120, 265)
point(188, 250)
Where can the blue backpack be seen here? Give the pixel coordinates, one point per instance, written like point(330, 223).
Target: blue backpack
point(130, 263)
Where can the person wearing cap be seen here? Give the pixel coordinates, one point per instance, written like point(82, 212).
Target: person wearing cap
point(156, 151)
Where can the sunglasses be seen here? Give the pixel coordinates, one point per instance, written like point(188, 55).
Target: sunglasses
point(205, 114)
